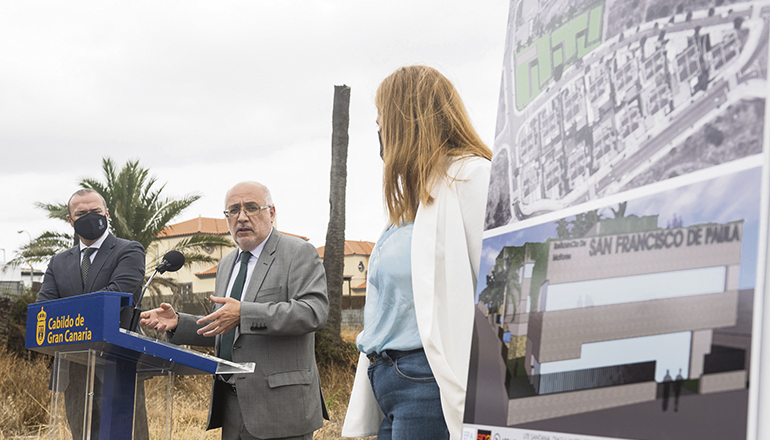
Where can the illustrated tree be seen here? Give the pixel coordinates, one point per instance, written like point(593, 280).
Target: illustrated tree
point(503, 283)
point(562, 228)
point(621, 211)
point(582, 223)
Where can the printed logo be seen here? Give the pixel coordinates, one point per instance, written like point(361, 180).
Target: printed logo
point(484, 435)
point(40, 336)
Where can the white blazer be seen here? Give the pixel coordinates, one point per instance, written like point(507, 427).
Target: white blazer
point(446, 250)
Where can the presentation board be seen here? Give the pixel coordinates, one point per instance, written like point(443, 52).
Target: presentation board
point(624, 253)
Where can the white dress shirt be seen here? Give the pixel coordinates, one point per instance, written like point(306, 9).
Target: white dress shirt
point(96, 245)
point(255, 253)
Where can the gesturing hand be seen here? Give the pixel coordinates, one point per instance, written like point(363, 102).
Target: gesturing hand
point(223, 320)
point(162, 319)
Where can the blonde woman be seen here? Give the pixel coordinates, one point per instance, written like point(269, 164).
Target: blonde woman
point(418, 317)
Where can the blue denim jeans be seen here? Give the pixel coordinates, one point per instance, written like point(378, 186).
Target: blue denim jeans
point(408, 395)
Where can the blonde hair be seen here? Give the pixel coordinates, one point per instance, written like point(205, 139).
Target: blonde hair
point(423, 122)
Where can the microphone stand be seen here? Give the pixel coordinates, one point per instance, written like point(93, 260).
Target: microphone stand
point(137, 311)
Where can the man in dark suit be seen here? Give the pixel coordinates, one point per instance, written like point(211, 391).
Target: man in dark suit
point(270, 299)
point(99, 262)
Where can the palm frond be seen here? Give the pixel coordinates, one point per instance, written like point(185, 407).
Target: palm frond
point(194, 249)
point(42, 248)
point(138, 211)
point(55, 210)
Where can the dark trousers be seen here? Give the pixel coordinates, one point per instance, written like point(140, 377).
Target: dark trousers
point(75, 405)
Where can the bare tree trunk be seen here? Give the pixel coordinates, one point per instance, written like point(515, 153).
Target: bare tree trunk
point(334, 263)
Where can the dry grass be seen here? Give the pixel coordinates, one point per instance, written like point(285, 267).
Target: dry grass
point(25, 400)
point(25, 396)
point(337, 382)
point(191, 406)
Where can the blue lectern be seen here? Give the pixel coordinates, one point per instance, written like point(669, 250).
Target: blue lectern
point(83, 334)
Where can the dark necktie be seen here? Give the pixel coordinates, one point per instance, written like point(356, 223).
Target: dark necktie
point(226, 344)
point(85, 265)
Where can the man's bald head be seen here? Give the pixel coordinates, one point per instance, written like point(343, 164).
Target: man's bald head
point(249, 230)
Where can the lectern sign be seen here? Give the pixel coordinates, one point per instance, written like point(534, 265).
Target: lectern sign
point(91, 322)
point(61, 329)
point(67, 322)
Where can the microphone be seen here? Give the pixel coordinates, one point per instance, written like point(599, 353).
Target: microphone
point(171, 262)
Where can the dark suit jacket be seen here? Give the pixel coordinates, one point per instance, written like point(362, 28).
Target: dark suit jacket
point(281, 308)
point(117, 267)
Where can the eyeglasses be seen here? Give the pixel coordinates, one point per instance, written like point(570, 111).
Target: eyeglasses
point(250, 209)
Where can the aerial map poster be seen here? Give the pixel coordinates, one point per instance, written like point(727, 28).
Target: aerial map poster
point(620, 289)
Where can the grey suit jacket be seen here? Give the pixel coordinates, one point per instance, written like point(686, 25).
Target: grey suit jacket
point(281, 308)
point(117, 267)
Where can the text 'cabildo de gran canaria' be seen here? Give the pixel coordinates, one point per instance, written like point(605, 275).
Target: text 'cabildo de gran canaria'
point(74, 330)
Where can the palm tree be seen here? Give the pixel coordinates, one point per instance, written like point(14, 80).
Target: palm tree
point(43, 247)
point(137, 212)
point(329, 338)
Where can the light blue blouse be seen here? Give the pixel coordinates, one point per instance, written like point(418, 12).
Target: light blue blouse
point(390, 322)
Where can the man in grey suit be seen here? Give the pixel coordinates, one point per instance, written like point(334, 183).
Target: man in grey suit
point(270, 299)
point(99, 262)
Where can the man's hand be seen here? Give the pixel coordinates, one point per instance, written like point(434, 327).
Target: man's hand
point(162, 319)
point(223, 320)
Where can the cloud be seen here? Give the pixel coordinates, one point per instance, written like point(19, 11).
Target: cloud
point(206, 94)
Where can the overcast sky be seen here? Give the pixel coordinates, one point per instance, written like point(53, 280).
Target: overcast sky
point(207, 94)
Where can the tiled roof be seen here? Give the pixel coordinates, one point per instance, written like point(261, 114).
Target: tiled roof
point(353, 247)
point(204, 225)
point(360, 286)
point(200, 225)
point(208, 272)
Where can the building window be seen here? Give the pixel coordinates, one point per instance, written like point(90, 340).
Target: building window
point(185, 289)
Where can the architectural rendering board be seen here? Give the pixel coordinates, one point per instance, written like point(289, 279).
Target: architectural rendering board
point(616, 294)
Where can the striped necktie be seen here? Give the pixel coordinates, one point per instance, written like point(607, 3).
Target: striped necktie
point(85, 265)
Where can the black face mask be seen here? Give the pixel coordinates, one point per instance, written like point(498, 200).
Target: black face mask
point(379, 138)
point(91, 226)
